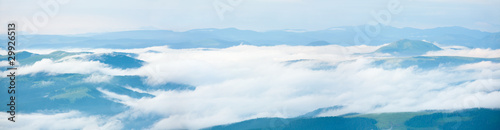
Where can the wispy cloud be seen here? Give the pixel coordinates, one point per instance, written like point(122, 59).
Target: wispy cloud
point(63, 120)
point(466, 52)
point(96, 78)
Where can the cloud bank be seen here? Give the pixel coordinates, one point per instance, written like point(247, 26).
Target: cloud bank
point(245, 82)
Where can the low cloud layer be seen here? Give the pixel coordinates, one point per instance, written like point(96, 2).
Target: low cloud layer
point(466, 52)
point(246, 82)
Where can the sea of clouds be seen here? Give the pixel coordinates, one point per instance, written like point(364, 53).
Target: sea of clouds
point(246, 82)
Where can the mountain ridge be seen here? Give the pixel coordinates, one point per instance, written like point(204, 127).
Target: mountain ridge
point(406, 47)
point(227, 37)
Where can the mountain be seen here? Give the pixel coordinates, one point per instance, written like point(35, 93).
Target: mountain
point(28, 58)
point(319, 111)
point(484, 119)
point(222, 38)
point(407, 47)
point(320, 123)
point(118, 60)
point(318, 43)
point(491, 41)
point(51, 93)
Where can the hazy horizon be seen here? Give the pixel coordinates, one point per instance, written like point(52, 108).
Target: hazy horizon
point(287, 30)
point(76, 17)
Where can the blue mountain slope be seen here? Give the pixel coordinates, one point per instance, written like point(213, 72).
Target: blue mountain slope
point(490, 41)
point(28, 58)
point(114, 60)
point(66, 92)
point(221, 38)
point(320, 123)
point(407, 47)
point(480, 119)
point(487, 119)
point(319, 111)
point(318, 43)
point(118, 60)
point(44, 93)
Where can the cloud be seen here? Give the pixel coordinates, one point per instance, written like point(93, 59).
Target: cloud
point(289, 91)
point(64, 120)
point(197, 67)
point(67, 66)
point(95, 78)
point(4, 63)
point(43, 84)
point(246, 82)
point(484, 65)
point(466, 52)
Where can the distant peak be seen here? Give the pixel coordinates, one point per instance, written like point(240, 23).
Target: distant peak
point(406, 47)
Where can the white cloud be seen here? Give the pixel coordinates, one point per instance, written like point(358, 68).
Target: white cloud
point(4, 63)
point(246, 82)
point(484, 65)
point(43, 84)
point(288, 91)
point(196, 67)
point(64, 120)
point(67, 66)
point(96, 78)
point(466, 52)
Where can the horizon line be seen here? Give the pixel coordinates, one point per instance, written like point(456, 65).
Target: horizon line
point(260, 31)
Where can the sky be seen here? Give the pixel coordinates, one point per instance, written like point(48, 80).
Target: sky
point(94, 16)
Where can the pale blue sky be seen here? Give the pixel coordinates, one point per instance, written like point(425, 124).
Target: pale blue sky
point(79, 16)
